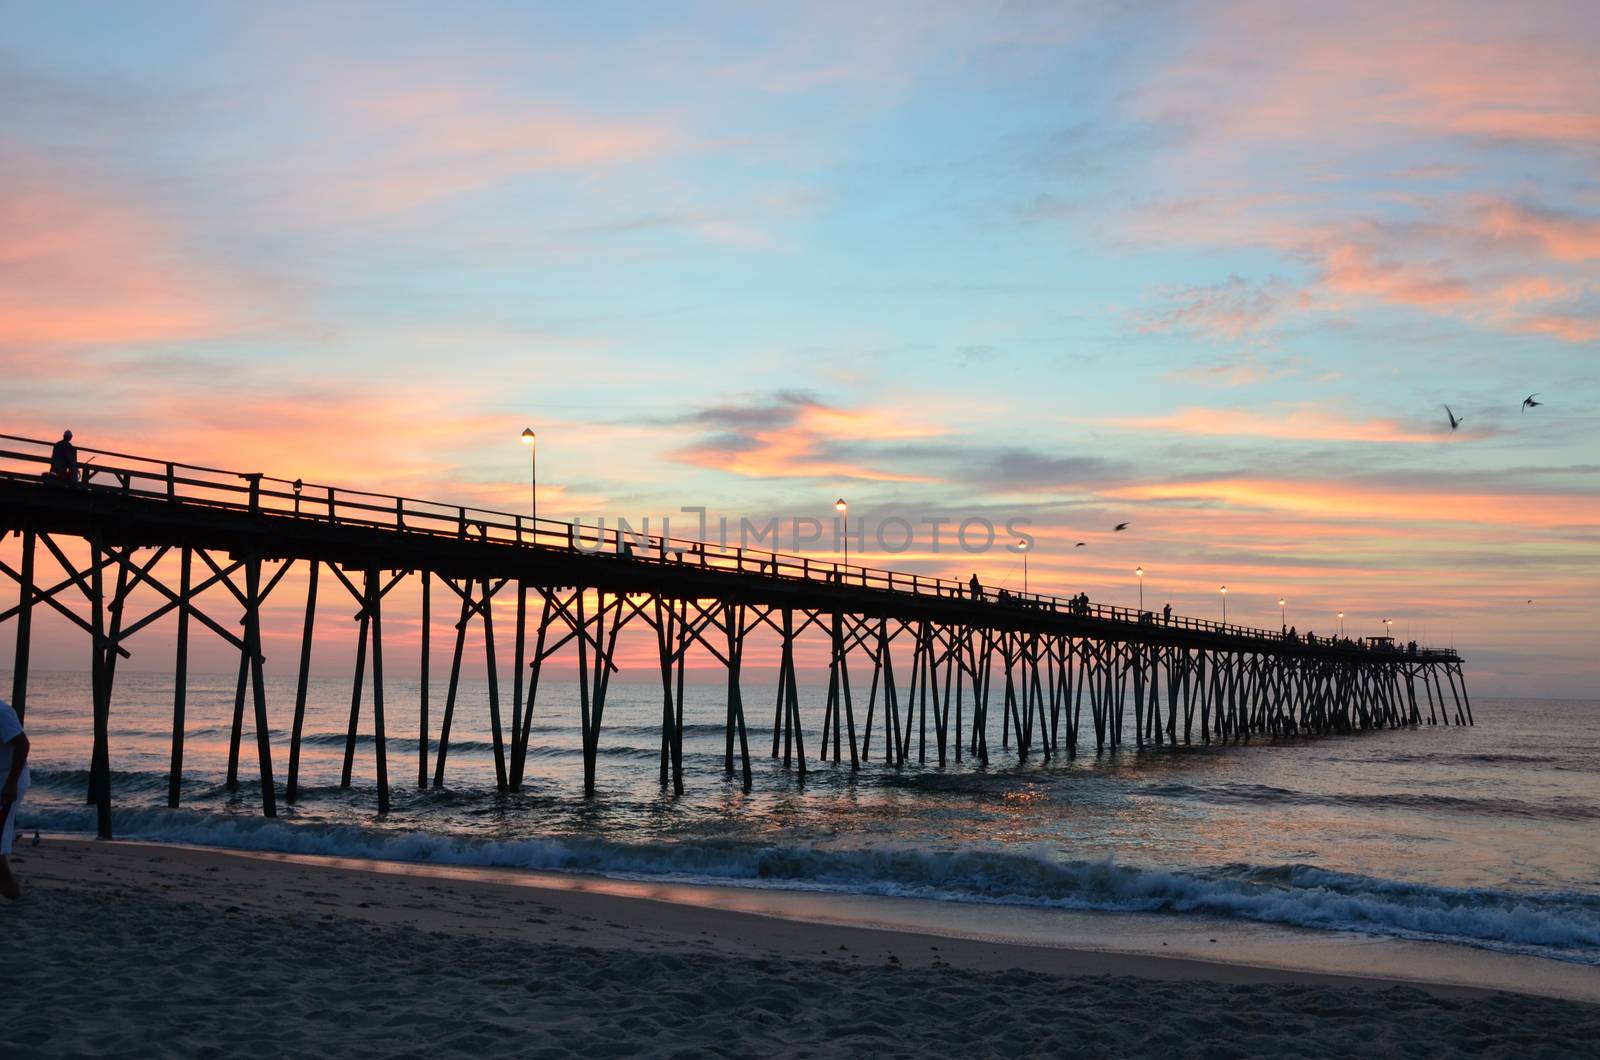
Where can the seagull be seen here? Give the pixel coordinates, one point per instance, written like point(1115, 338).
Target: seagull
point(1454, 422)
point(1529, 403)
point(1080, 544)
point(1120, 526)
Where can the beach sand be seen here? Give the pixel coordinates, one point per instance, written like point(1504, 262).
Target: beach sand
point(137, 949)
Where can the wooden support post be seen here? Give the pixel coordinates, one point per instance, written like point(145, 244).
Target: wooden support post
point(374, 607)
point(1138, 699)
point(19, 665)
point(677, 720)
point(450, 693)
point(665, 643)
point(236, 731)
point(850, 710)
point(363, 625)
point(252, 642)
point(497, 732)
point(291, 789)
point(583, 685)
point(733, 616)
point(982, 673)
point(790, 695)
point(925, 649)
point(180, 679)
point(519, 647)
point(102, 775)
point(100, 759)
point(1465, 699)
point(424, 658)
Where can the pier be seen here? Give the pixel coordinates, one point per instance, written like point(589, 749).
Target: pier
point(1067, 679)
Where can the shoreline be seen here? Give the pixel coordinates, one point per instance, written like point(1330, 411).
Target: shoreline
point(978, 935)
point(133, 948)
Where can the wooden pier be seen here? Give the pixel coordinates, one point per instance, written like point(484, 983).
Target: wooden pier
point(1039, 660)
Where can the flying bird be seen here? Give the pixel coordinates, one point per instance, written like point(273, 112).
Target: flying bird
point(1454, 421)
point(1080, 544)
point(1120, 526)
point(1529, 403)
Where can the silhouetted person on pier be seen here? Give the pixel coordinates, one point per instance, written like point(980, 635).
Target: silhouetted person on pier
point(64, 459)
point(976, 587)
point(1166, 614)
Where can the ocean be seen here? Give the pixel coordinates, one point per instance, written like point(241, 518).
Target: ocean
point(1487, 836)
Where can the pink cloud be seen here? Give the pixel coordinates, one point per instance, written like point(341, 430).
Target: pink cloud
point(81, 269)
point(421, 145)
point(1256, 71)
point(1299, 105)
point(1561, 236)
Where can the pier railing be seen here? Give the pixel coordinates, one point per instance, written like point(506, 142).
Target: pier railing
point(257, 493)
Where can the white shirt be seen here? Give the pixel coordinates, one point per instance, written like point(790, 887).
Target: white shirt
point(10, 729)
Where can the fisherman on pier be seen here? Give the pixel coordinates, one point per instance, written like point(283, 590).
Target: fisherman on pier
point(64, 460)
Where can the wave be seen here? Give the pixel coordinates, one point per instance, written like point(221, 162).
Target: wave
point(1554, 809)
point(1561, 925)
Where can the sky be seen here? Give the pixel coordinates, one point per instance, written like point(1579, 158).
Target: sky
point(1209, 269)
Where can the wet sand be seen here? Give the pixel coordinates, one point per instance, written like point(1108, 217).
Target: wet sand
point(152, 950)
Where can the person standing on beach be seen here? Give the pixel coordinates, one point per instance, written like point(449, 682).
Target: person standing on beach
point(13, 782)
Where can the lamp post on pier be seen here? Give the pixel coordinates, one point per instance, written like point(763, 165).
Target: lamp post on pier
point(528, 439)
point(844, 510)
point(1139, 573)
point(1224, 591)
point(1341, 623)
point(1022, 544)
point(1283, 616)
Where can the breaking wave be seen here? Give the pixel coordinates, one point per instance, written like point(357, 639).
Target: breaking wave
point(1561, 925)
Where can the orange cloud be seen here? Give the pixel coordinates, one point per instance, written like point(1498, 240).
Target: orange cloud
point(1298, 423)
point(1396, 504)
